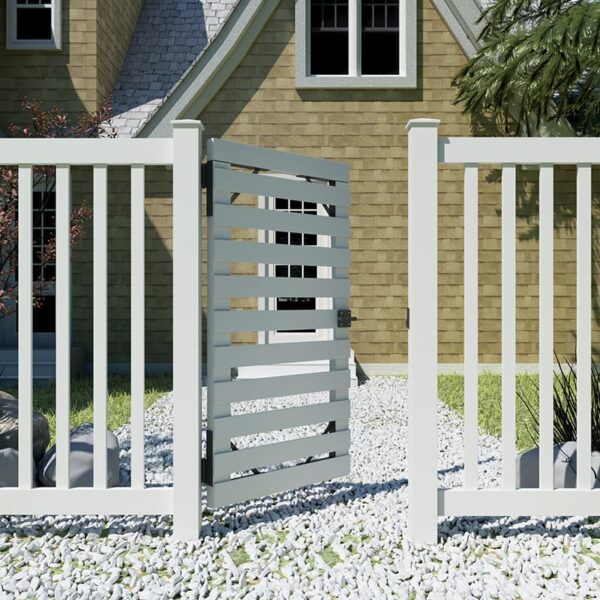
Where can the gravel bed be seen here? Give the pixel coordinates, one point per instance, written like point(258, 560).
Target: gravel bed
point(341, 539)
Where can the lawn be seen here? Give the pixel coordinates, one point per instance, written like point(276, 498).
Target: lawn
point(451, 391)
point(82, 411)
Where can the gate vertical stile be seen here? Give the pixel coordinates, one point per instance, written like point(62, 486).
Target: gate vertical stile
point(216, 407)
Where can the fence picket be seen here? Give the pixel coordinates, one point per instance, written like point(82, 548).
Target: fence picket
point(63, 325)
point(100, 319)
point(584, 330)
point(546, 308)
point(25, 321)
point(471, 436)
point(137, 325)
point(508, 326)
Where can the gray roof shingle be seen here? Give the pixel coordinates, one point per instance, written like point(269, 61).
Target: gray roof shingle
point(169, 37)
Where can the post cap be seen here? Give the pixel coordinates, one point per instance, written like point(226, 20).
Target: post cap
point(423, 122)
point(187, 124)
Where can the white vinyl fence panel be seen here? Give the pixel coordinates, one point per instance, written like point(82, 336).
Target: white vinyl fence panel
point(427, 154)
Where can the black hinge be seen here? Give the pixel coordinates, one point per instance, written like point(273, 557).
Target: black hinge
point(407, 318)
point(345, 318)
point(207, 474)
point(206, 176)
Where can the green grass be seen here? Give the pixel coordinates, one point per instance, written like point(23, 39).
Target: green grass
point(82, 411)
point(451, 391)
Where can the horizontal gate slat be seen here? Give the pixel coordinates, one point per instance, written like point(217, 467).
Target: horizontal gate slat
point(230, 286)
point(248, 252)
point(226, 321)
point(242, 390)
point(244, 355)
point(285, 418)
point(246, 488)
point(225, 180)
point(247, 217)
point(275, 160)
point(266, 455)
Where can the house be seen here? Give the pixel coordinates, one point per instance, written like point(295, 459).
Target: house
point(337, 79)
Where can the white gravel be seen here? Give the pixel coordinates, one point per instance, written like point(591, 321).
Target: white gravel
point(342, 539)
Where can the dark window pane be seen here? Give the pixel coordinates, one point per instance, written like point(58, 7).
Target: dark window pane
point(281, 270)
point(329, 53)
point(49, 273)
point(295, 205)
point(310, 239)
point(296, 239)
point(329, 15)
point(44, 316)
point(380, 53)
point(342, 16)
point(308, 206)
point(34, 24)
point(367, 16)
point(281, 203)
point(315, 15)
point(281, 237)
point(296, 271)
point(310, 271)
point(380, 16)
point(392, 16)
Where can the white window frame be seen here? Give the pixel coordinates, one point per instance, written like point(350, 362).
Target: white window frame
point(407, 77)
point(12, 43)
point(277, 337)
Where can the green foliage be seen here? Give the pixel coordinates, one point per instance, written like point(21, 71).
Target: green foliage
point(539, 62)
point(565, 405)
point(82, 411)
point(451, 390)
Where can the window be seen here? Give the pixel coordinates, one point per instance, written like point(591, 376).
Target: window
point(33, 24)
point(356, 43)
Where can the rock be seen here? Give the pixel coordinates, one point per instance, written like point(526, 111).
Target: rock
point(82, 459)
point(565, 467)
point(9, 467)
point(9, 427)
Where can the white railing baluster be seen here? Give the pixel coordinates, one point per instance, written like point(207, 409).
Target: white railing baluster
point(187, 328)
point(25, 319)
point(100, 324)
point(546, 308)
point(508, 326)
point(137, 326)
point(63, 324)
point(423, 332)
point(471, 433)
point(584, 325)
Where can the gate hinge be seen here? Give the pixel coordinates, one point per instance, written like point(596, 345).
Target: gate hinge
point(205, 171)
point(207, 474)
point(407, 318)
point(345, 318)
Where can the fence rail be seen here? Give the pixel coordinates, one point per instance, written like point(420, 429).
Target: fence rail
point(427, 153)
point(182, 152)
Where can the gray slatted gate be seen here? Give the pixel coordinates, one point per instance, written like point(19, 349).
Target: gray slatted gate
point(234, 475)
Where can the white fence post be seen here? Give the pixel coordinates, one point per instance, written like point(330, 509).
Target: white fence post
point(422, 333)
point(187, 329)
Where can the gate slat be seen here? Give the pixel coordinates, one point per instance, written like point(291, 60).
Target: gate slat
point(243, 355)
point(508, 325)
point(271, 320)
point(584, 331)
point(100, 320)
point(275, 160)
point(250, 286)
point(247, 217)
point(25, 322)
point(266, 455)
point(226, 180)
point(546, 308)
point(242, 390)
point(285, 418)
point(247, 252)
point(137, 325)
point(63, 324)
point(273, 482)
point(471, 327)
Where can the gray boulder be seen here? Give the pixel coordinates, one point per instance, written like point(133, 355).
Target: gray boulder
point(565, 467)
point(81, 459)
point(9, 468)
point(9, 427)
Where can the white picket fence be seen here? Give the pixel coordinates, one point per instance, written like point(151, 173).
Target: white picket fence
point(183, 153)
point(425, 153)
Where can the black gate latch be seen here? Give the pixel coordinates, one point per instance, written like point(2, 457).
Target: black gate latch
point(345, 318)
